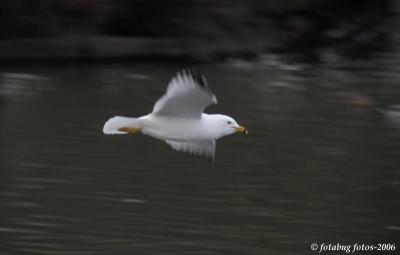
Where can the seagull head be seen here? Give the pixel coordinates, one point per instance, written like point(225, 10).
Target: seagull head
point(227, 125)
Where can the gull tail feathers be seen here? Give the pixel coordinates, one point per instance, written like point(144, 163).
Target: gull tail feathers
point(121, 126)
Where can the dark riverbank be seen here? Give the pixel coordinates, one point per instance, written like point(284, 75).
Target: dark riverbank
point(59, 31)
point(88, 48)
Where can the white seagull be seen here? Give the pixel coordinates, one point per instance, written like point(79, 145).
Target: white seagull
point(178, 117)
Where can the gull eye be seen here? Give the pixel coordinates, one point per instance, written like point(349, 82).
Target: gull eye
point(229, 122)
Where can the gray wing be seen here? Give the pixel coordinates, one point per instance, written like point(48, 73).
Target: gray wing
point(203, 148)
point(187, 96)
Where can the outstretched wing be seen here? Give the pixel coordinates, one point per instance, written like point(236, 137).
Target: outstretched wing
point(203, 148)
point(187, 96)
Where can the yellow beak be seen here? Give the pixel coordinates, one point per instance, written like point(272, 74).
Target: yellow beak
point(241, 129)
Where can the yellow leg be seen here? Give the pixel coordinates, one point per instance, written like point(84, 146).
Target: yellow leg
point(130, 130)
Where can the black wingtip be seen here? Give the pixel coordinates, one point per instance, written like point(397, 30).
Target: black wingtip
point(197, 76)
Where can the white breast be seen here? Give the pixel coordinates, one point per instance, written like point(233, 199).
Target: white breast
point(177, 129)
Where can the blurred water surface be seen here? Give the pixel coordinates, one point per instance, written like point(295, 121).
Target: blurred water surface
point(321, 162)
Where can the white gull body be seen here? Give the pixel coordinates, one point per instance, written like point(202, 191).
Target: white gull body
point(178, 118)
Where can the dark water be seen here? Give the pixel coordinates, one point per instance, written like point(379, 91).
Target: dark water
point(321, 162)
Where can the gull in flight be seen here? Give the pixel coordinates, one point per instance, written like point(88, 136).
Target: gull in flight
point(178, 119)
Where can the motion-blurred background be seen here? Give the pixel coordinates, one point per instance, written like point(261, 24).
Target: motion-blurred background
point(315, 82)
point(203, 30)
